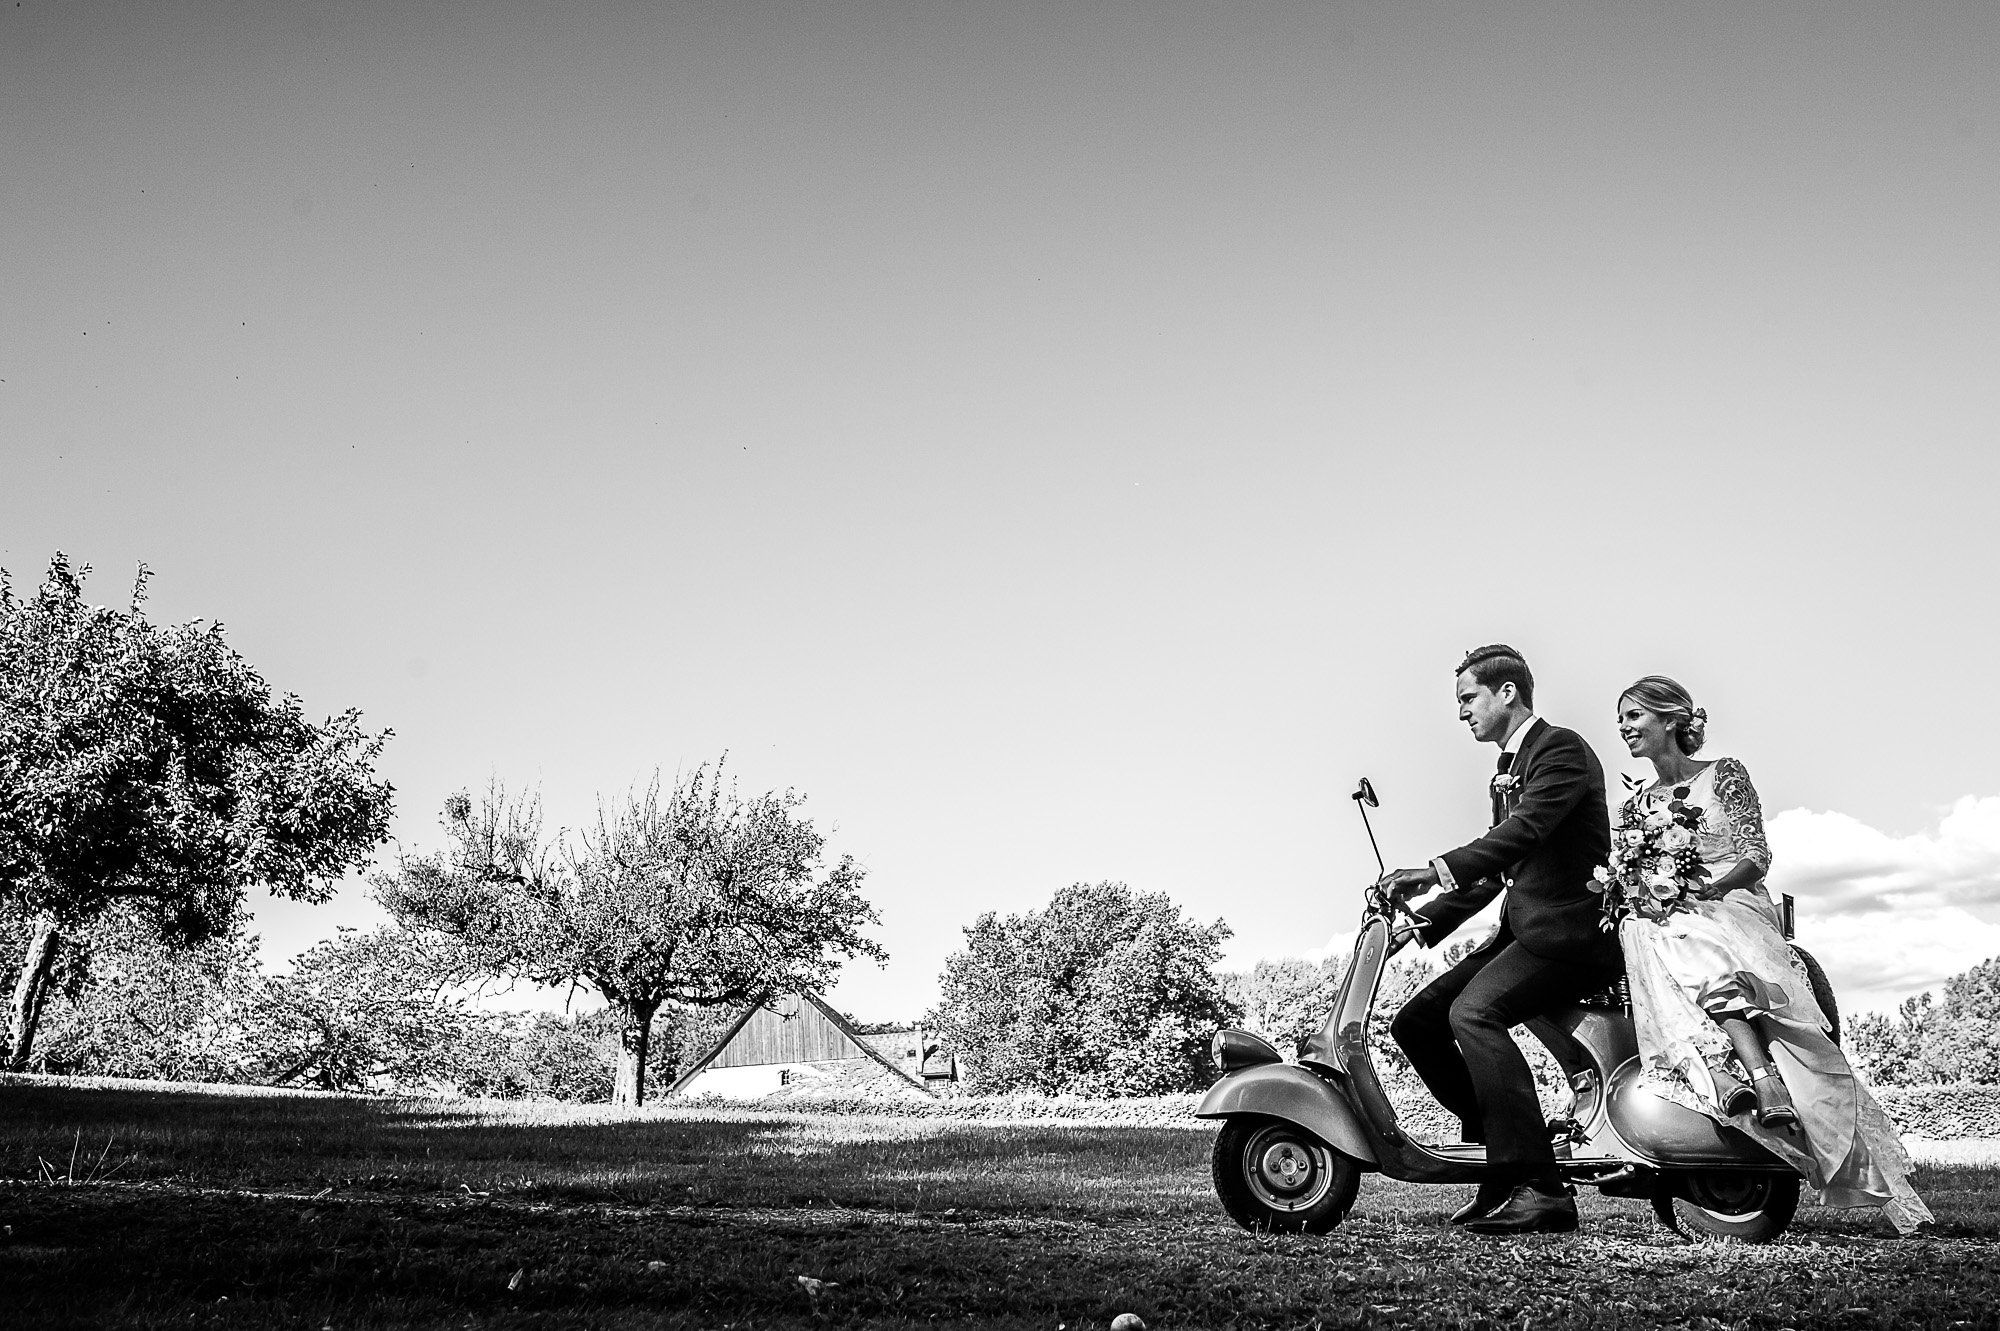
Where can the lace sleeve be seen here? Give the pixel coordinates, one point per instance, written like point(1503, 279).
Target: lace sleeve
point(1745, 814)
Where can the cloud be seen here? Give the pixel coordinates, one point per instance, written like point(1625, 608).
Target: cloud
point(1341, 945)
point(1890, 916)
point(1840, 864)
point(1876, 959)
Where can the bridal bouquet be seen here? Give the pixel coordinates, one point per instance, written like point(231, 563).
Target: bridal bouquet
point(1655, 858)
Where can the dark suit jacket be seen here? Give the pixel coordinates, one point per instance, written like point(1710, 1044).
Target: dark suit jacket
point(1557, 829)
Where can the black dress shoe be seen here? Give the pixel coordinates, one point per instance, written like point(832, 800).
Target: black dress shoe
point(1488, 1198)
point(1529, 1210)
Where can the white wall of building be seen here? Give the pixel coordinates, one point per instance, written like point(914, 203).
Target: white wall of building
point(752, 1083)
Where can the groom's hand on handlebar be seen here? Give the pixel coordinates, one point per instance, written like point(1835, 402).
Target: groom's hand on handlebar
point(1400, 883)
point(1396, 887)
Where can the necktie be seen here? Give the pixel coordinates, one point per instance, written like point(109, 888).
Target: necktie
point(1499, 798)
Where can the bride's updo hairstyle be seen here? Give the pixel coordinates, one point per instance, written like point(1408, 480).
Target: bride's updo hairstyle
point(1667, 700)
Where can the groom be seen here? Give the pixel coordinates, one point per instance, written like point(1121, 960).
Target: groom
point(1550, 829)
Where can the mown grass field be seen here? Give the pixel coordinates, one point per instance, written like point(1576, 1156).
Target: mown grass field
point(127, 1207)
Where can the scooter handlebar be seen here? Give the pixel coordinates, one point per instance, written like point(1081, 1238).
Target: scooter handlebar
point(1390, 905)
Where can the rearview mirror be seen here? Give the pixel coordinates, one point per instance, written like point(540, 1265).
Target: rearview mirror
point(1365, 793)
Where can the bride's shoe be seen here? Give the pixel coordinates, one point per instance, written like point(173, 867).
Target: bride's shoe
point(1774, 1102)
point(1731, 1095)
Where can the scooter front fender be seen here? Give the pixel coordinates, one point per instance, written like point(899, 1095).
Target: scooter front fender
point(1289, 1092)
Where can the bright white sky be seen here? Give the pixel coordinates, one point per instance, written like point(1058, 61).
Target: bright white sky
point(1068, 442)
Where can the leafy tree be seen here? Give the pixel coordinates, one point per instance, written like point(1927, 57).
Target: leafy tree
point(132, 1004)
point(1963, 1043)
point(575, 1057)
point(1106, 992)
point(151, 766)
point(698, 899)
point(1953, 1039)
point(541, 1056)
point(1285, 1000)
point(1889, 1049)
point(567, 1058)
point(361, 1011)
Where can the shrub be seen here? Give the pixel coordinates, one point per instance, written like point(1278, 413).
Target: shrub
point(1107, 992)
point(1943, 1113)
point(1956, 1039)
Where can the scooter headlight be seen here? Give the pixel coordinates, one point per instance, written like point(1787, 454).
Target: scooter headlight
point(1235, 1050)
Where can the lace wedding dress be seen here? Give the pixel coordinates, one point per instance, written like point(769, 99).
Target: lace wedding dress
point(1732, 954)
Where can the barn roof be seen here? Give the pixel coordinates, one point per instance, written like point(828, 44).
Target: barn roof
point(840, 1023)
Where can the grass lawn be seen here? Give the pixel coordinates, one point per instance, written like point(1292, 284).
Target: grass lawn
point(128, 1207)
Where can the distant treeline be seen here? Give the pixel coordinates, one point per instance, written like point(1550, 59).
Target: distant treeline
point(364, 1011)
point(378, 1010)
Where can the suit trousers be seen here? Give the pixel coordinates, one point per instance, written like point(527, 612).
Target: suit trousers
point(1455, 1032)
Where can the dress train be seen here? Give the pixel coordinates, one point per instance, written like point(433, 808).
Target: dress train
point(1732, 951)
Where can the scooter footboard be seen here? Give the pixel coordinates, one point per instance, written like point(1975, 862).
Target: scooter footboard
point(1289, 1092)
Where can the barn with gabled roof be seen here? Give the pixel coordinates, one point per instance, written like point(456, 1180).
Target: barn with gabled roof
point(796, 1042)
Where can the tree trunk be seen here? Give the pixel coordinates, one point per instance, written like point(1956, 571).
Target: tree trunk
point(633, 1041)
point(30, 990)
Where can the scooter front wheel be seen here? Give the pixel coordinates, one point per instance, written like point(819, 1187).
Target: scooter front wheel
point(1735, 1206)
point(1274, 1176)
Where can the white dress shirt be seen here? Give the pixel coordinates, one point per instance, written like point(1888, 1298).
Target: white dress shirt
point(1519, 737)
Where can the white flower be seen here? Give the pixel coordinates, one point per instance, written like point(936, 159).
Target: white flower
point(1677, 838)
point(1658, 819)
point(1601, 874)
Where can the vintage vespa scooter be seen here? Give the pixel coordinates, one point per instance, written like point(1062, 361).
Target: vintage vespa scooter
point(1297, 1136)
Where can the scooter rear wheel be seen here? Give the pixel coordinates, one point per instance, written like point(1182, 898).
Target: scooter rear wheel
point(1274, 1176)
point(1732, 1206)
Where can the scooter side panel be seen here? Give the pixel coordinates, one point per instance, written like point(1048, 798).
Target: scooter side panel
point(1610, 1036)
point(1289, 1092)
point(1674, 1136)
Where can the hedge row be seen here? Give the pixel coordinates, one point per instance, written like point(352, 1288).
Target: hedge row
point(1939, 1113)
point(1943, 1113)
point(1136, 1110)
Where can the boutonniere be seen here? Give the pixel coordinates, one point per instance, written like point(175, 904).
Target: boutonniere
point(1506, 783)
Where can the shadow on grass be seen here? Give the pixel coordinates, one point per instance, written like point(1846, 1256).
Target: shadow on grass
point(303, 1144)
point(533, 1216)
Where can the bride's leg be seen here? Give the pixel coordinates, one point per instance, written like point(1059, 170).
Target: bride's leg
point(1731, 1095)
point(1774, 1102)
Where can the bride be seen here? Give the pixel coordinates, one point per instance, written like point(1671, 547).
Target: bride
point(1722, 1008)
